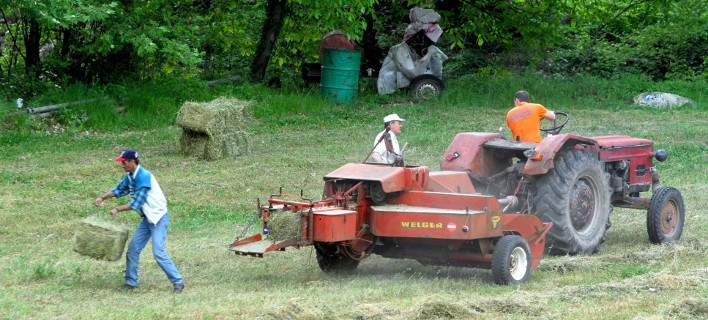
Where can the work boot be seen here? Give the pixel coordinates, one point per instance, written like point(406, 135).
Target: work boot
point(178, 287)
point(126, 288)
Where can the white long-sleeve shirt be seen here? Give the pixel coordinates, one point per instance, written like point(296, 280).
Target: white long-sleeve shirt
point(380, 154)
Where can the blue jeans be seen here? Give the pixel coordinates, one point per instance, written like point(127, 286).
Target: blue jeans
point(158, 233)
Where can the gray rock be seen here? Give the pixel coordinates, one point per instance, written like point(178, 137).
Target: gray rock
point(661, 100)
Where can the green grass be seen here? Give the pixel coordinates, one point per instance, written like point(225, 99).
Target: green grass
point(48, 182)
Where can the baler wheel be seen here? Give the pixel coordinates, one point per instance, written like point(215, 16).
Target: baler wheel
point(332, 258)
point(575, 196)
point(666, 215)
point(511, 261)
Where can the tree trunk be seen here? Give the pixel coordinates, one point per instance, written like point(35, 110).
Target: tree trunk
point(372, 51)
point(32, 48)
point(275, 15)
point(67, 38)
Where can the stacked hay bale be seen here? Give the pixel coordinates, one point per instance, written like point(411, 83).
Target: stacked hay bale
point(100, 239)
point(284, 226)
point(214, 129)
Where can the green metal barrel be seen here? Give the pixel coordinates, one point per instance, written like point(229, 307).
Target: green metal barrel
point(340, 75)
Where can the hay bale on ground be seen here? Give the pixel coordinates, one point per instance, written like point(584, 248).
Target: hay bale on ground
point(214, 129)
point(100, 239)
point(284, 226)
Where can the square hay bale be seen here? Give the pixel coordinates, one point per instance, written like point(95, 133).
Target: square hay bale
point(100, 239)
point(214, 129)
point(284, 226)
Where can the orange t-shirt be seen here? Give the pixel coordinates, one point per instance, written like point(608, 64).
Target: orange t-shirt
point(525, 122)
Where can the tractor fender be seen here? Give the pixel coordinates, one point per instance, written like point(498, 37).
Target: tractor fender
point(545, 152)
point(466, 152)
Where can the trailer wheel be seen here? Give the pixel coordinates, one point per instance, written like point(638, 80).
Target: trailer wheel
point(331, 258)
point(575, 196)
point(666, 215)
point(426, 87)
point(511, 262)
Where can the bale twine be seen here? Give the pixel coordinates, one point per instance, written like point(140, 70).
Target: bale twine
point(214, 129)
point(100, 239)
point(284, 226)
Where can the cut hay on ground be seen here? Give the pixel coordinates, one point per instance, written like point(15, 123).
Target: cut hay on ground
point(284, 226)
point(444, 310)
point(100, 239)
point(297, 309)
point(690, 308)
point(215, 129)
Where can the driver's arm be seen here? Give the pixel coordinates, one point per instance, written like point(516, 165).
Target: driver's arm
point(550, 115)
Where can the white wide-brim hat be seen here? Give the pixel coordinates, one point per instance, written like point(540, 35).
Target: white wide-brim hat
point(393, 117)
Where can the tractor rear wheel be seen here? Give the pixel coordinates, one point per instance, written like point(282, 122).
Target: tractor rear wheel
point(665, 215)
point(332, 258)
point(575, 196)
point(511, 261)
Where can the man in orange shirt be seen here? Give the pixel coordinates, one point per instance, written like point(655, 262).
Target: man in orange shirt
point(524, 119)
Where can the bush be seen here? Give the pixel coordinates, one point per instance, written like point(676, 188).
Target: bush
point(674, 46)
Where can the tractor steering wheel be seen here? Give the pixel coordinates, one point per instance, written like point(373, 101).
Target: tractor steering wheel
point(556, 129)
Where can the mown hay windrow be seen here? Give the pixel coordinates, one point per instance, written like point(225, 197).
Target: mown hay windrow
point(284, 226)
point(566, 264)
point(297, 309)
point(443, 310)
point(100, 239)
point(375, 311)
point(514, 305)
point(690, 308)
point(214, 129)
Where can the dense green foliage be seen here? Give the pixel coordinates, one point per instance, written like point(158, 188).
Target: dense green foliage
point(49, 43)
point(663, 39)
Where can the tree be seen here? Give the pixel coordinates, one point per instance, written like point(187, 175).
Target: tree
point(275, 15)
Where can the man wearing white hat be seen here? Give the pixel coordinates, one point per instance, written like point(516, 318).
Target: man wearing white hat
point(386, 148)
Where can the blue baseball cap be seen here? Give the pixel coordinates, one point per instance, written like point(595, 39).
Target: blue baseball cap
point(127, 154)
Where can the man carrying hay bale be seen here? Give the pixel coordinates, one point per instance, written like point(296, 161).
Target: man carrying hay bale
point(150, 203)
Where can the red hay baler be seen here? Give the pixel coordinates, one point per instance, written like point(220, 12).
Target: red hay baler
point(406, 212)
point(492, 205)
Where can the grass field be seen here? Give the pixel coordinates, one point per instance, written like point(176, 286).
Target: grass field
point(48, 182)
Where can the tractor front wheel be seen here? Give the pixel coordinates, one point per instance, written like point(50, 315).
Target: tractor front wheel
point(332, 258)
point(575, 196)
point(511, 261)
point(665, 215)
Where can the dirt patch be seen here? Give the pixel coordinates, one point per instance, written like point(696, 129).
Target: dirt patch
point(444, 310)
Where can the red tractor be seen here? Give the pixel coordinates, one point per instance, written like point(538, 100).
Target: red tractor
point(492, 205)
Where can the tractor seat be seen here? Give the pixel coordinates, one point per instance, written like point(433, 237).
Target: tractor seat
point(509, 145)
point(506, 148)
